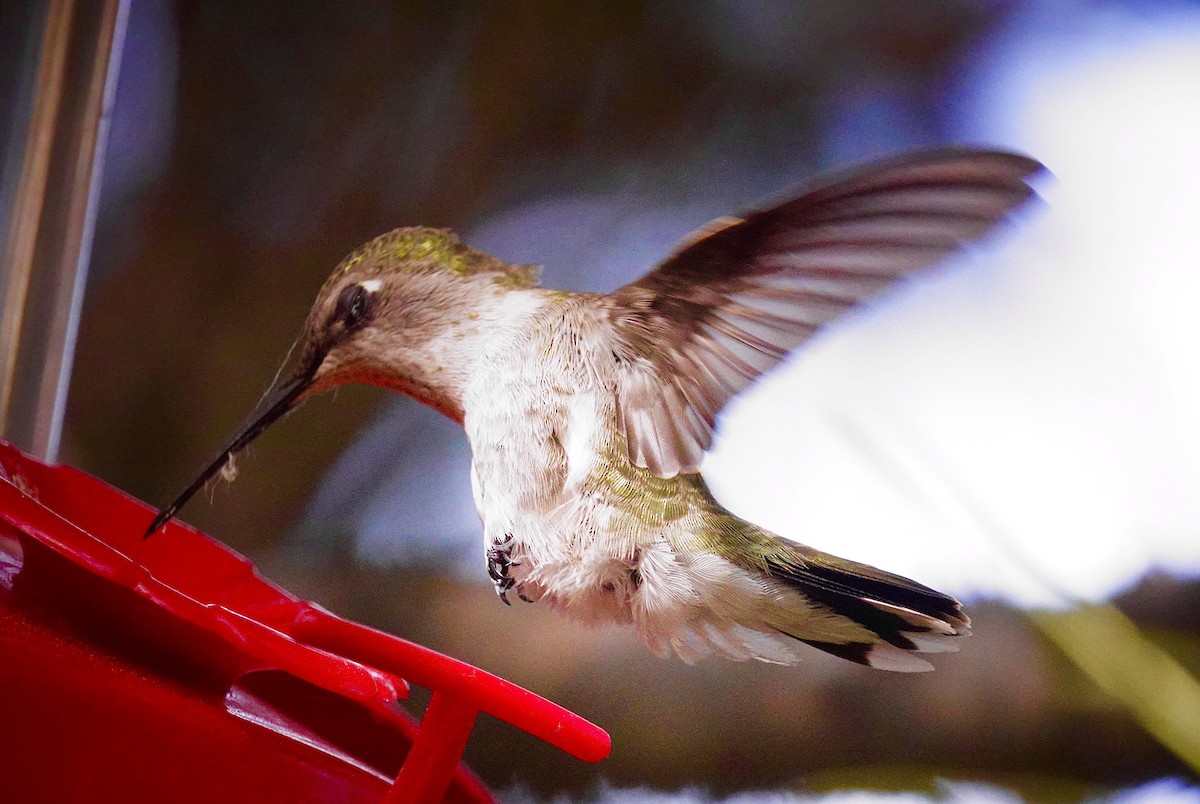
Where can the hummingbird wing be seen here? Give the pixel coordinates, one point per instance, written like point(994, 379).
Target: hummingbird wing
point(739, 295)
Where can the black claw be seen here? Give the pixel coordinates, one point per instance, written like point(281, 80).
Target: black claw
point(498, 563)
point(502, 587)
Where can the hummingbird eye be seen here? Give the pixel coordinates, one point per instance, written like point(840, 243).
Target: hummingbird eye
point(352, 308)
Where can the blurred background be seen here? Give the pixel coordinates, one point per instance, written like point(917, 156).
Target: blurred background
point(1020, 428)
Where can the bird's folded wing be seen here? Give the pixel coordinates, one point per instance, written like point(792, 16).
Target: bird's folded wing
point(741, 293)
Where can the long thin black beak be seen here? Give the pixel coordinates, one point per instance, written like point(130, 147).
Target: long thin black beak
point(278, 402)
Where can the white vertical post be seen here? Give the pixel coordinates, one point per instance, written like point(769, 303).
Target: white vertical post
point(51, 176)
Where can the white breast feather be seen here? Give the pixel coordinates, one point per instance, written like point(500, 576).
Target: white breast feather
point(580, 442)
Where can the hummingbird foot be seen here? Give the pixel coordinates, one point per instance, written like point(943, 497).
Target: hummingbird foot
point(499, 562)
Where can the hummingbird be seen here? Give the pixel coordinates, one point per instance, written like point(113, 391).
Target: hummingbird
point(588, 414)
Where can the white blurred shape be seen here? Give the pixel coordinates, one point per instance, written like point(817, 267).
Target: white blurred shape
point(1163, 791)
point(1029, 427)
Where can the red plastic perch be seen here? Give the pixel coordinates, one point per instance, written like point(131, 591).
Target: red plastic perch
point(148, 631)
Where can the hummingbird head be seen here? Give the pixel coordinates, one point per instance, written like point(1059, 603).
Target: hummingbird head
point(408, 310)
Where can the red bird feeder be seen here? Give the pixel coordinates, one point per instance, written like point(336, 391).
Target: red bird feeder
point(168, 670)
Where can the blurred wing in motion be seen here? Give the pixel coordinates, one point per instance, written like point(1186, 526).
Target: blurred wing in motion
point(742, 293)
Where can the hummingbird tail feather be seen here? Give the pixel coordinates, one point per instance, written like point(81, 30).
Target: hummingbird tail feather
point(897, 617)
point(698, 603)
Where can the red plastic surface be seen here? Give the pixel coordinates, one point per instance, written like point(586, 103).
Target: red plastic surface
point(168, 670)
